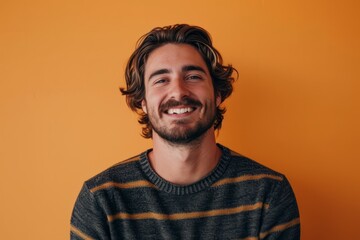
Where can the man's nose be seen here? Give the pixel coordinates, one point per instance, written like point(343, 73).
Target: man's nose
point(179, 89)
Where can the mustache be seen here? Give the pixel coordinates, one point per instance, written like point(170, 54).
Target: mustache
point(174, 103)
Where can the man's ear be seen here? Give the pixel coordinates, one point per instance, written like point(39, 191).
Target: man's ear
point(143, 106)
point(218, 100)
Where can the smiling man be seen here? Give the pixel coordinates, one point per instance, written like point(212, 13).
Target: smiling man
point(187, 186)
point(179, 94)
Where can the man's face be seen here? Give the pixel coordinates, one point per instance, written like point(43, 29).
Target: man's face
point(179, 94)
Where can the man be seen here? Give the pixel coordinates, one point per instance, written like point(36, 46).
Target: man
point(187, 186)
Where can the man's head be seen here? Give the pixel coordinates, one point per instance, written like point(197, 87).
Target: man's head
point(177, 36)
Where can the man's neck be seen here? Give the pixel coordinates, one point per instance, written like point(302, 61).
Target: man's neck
point(187, 163)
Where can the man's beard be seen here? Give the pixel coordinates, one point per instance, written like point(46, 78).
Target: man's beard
point(180, 134)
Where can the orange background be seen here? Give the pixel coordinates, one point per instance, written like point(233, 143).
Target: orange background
point(62, 119)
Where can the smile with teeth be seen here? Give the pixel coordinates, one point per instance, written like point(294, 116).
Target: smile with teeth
point(180, 110)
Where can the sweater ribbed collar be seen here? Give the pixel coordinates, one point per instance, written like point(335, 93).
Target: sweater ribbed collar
point(198, 186)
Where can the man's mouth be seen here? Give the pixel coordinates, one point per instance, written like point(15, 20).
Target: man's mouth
point(180, 110)
point(185, 106)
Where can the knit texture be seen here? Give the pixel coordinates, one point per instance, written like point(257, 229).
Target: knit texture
point(239, 199)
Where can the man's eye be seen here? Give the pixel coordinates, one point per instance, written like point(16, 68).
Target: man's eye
point(193, 77)
point(159, 81)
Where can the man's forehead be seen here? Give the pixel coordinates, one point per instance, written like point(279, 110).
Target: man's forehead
point(171, 56)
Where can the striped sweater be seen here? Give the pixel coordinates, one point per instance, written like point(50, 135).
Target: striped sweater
point(239, 199)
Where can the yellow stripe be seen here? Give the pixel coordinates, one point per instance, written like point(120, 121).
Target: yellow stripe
point(246, 178)
point(249, 238)
point(80, 233)
point(135, 184)
point(280, 227)
point(189, 215)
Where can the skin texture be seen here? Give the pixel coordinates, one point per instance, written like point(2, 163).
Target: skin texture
point(177, 80)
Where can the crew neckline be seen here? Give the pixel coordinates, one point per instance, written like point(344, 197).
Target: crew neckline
point(198, 186)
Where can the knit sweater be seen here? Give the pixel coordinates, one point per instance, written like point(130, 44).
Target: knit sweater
point(239, 199)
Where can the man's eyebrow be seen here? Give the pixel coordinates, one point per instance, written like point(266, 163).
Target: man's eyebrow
point(188, 68)
point(159, 72)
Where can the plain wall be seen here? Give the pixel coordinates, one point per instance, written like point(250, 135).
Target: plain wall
point(295, 107)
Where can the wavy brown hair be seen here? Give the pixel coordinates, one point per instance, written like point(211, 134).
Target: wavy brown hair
point(179, 34)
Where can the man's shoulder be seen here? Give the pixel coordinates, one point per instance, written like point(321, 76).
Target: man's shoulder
point(243, 165)
point(122, 172)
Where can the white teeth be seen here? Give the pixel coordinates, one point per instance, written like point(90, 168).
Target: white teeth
point(179, 110)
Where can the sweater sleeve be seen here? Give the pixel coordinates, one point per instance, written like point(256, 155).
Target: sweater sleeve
point(281, 219)
point(88, 220)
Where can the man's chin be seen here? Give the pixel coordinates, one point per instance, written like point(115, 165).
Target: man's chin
point(181, 135)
